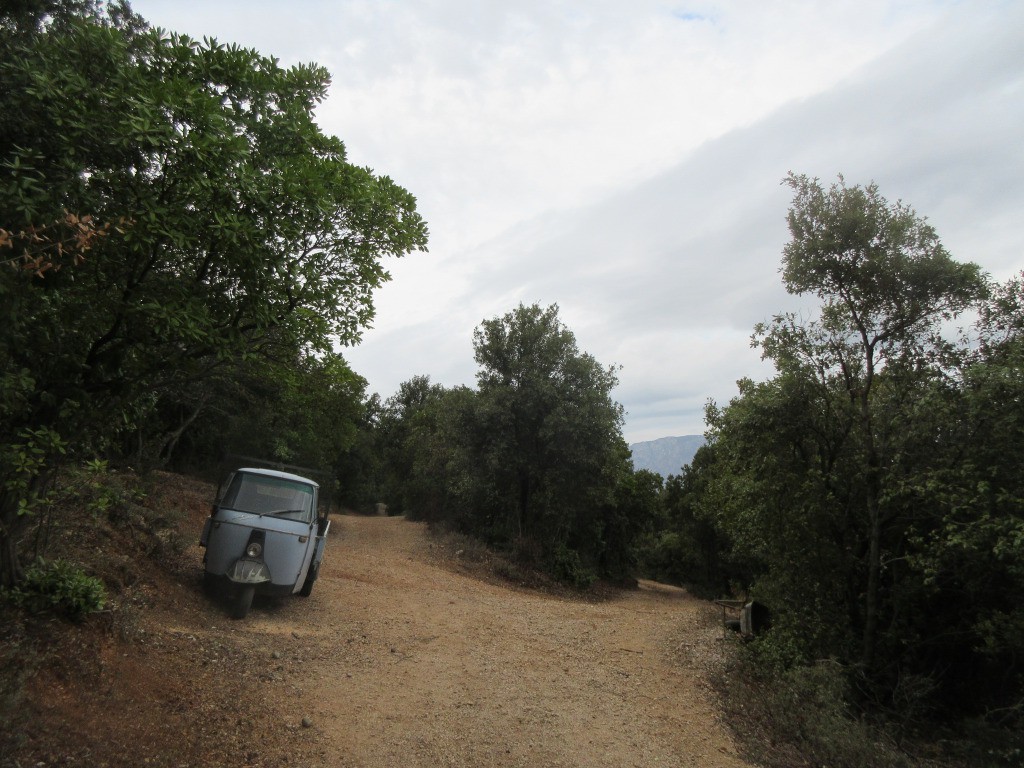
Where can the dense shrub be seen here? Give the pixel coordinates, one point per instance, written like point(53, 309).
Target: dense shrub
point(60, 587)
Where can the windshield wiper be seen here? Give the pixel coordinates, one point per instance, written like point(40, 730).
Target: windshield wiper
point(285, 512)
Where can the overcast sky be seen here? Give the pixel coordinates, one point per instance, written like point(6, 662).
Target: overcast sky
point(623, 159)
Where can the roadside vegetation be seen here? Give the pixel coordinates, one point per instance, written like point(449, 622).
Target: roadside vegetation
point(870, 495)
point(183, 253)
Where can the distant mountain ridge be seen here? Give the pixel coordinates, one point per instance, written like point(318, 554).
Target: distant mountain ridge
point(666, 455)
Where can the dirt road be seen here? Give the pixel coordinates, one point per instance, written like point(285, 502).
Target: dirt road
point(408, 653)
point(417, 664)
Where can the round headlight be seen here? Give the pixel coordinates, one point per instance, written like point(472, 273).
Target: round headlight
point(254, 549)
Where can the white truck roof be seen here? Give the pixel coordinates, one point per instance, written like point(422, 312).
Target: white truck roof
point(276, 473)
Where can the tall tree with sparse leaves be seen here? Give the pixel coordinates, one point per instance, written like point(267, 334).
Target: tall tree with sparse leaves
point(886, 285)
point(818, 471)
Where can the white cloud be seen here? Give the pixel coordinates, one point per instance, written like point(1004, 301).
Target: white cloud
point(623, 159)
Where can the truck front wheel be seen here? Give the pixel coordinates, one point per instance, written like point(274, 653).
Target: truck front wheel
point(307, 585)
point(243, 602)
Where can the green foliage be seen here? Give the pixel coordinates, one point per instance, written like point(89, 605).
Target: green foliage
point(873, 485)
point(782, 490)
point(966, 557)
point(881, 271)
point(172, 216)
point(623, 524)
point(25, 460)
point(800, 715)
point(103, 495)
point(59, 587)
point(416, 439)
point(107, 496)
point(532, 461)
point(567, 566)
point(547, 429)
point(687, 545)
point(547, 443)
point(302, 410)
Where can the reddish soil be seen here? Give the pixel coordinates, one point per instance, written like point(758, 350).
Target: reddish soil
point(408, 653)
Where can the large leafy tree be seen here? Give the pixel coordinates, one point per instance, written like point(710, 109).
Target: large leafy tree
point(533, 459)
point(169, 208)
point(302, 410)
point(548, 430)
point(441, 484)
point(783, 489)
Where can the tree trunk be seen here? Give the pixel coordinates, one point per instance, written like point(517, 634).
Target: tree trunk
point(524, 504)
point(873, 501)
point(171, 442)
point(10, 565)
point(871, 598)
point(13, 523)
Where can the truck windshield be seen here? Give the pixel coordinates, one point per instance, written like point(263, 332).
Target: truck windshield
point(263, 495)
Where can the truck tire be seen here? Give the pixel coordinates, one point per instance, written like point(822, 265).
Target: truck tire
point(242, 602)
point(307, 585)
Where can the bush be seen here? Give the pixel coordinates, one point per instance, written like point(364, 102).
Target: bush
point(104, 493)
point(799, 715)
point(60, 587)
point(567, 567)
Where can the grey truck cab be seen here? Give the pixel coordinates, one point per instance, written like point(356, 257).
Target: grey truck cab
point(266, 533)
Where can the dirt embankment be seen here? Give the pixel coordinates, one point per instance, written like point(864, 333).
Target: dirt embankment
point(401, 657)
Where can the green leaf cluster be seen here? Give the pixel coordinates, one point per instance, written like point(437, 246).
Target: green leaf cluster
point(59, 587)
point(532, 461)
point(873, 485)
point(171, 218)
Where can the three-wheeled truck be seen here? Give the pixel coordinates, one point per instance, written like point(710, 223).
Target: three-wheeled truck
point(266, 533)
